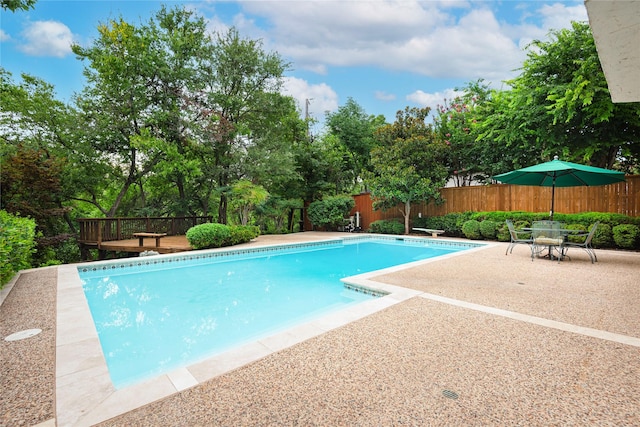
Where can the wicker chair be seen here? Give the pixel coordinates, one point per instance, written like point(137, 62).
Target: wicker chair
point(586, 245)
point(517, 237)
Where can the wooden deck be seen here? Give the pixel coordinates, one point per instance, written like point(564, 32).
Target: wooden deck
point(168, 244)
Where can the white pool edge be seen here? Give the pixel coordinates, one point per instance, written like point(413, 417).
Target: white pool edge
point(85, 394)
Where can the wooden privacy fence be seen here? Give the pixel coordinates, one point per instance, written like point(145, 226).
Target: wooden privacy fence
point(622, 198)
point(94, 231)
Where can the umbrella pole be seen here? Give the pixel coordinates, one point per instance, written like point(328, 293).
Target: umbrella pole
point(553, 198)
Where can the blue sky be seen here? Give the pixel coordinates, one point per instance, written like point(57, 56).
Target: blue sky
point(386, 55)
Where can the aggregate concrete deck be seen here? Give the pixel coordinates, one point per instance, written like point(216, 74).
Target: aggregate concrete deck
point(477, 339)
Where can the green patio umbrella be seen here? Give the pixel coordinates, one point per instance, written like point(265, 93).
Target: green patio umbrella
point(557, 173)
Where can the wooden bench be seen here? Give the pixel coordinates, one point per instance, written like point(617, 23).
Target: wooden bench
point(434, 233)
point(142, 235)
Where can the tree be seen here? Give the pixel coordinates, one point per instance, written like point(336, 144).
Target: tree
point(562, 101)
point(320, 166)
point(140, 82)
point(37, 159)
point(14, 5)
point(240, 91)
point(31, 186)
point(408, 163)
point(245, 196)
point(505, 141)
point(353, 130)
point(456, 123)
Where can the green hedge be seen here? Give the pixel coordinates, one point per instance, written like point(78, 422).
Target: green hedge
point(626, 236)
point(17, 244)
point(614, 230)
point(471, 229)
point(603, 237)
point(386, 227)
point(213, 235)
point(489, 229)
point(451, 223)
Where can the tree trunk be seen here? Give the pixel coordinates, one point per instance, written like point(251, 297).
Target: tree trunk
point(406, 214)
point(290, 219)
point(131, 179)
point(222, 209)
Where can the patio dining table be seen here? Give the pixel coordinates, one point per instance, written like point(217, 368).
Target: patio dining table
point(549, 237)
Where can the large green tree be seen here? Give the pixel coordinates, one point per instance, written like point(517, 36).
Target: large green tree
point(241, 94)
point(456, 123)
point(408, 163)
point(36, 158)
point(354, 131)
point(506, 139)
point(560, 104)
point(139, 80)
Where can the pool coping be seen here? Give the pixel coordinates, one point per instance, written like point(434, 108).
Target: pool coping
point(84, 393)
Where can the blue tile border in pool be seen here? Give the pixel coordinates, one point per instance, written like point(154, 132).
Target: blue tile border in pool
point(228, 253)
point(364, 289)
point(201, 255)
point(419, 241)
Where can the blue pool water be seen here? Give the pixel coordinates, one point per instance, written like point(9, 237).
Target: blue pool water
point(153, 317)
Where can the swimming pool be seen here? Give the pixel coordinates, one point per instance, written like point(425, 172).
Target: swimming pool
point(154, 314)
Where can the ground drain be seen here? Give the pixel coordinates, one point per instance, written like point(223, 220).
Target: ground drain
point(450, 394)
point(27, 333)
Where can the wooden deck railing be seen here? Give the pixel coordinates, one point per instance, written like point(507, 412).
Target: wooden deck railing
point(94, 231)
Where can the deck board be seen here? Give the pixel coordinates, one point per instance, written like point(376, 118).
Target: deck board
point(168, 244)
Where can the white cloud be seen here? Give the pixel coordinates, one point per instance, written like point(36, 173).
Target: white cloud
point(343, 33)
point(47, 38)
point(544, 19)
point(384, 96)
point(4, 36)
point(216, 26)
point(322, 97)
point(558, 15)
point(450, 39)
point(432, 100)
point(475, 47)
point(445, 39)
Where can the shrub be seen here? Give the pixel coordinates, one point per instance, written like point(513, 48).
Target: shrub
point(330, 212)
point(578, 227)
point(56, 250)
point(501, 216)
point(386, 227)
point(209, 235)
point(451, 223)
point(213, 235)
point(488, 229)
point(502, 233)
point(17, 236)
point(603, 237)
point(521, 224)
point(626, 235)
point(471, 229)
point(243, 234)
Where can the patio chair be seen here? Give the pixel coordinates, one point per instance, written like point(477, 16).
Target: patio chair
point(517, 237)
point(586, 245)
